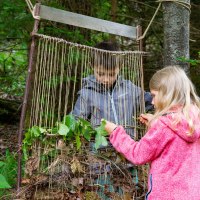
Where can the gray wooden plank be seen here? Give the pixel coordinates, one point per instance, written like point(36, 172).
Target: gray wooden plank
point(66, 17)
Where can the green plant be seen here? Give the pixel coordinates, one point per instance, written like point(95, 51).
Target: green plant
point(71, 130)
point(8, 172)
point(193, 62)
point(3, 182)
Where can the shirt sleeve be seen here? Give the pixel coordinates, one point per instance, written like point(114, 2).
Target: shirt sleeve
point(147, 149)
point(82, 107)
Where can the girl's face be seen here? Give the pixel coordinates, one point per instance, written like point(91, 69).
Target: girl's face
point(154, 95)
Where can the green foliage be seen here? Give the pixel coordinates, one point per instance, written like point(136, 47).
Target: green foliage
point(8, 172)
point(194, 70)
point(193, 62)
point(15, 27)
point(15, 21)
point(100, 139)
point(3, 183)
point(71, 130)
point(13, 70)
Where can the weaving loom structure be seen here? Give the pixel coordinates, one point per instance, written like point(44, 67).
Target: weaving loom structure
point(61, 69)
point(69, 89)
point(62, 161)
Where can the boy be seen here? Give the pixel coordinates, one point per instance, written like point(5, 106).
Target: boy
point(107, 95)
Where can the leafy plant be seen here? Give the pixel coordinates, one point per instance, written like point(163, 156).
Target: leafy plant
point(70, 130)
point(100, 139)
point(3, 182)
point(8, 167)
point(193, 62)
point(8, 172)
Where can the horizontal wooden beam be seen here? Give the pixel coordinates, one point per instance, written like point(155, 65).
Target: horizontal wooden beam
point(65, 17)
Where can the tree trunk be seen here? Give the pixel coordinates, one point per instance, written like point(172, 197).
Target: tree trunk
point(176, 33)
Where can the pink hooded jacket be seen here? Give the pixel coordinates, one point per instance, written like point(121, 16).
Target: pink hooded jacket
point(174, 157)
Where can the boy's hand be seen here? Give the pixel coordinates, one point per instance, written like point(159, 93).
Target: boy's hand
point(109, 127)
point(146, 118)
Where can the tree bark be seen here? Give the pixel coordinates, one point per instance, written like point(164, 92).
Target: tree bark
point(176, 33)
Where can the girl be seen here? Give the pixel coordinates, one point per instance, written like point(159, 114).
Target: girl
point(172, 142)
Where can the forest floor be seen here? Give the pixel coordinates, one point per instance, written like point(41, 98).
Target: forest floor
point(8, 138)
point(10, 109)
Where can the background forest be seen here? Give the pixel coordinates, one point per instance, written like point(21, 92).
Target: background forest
point(16, 24)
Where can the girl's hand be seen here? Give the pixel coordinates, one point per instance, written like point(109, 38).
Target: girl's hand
point(146, 118)
point(109, 127)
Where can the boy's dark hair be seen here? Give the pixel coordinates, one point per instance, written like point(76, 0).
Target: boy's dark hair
point(108, 45)
point(107, 60)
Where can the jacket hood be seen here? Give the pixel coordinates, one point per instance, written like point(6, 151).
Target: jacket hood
point(181, 128)
point(90, 81)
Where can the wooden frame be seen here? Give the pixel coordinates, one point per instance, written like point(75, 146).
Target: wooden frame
point(70, 18)
point(57, 15)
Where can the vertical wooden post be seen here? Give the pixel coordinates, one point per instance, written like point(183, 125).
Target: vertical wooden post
point(113, 14)
point(114, 10)
point(140, 47)
point(139, 34)
point(26, 94)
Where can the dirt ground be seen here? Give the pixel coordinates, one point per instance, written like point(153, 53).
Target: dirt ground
point(8, 138)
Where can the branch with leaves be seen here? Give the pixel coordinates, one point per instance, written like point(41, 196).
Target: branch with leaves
point(71, 130)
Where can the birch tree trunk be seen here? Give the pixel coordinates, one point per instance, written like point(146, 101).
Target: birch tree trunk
point(176, 33)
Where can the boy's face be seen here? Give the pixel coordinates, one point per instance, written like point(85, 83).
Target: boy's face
point(106, 76)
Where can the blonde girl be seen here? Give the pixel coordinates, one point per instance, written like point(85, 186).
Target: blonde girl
point(172, 143)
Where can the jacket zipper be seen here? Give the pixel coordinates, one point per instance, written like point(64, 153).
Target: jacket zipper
point(113, 107)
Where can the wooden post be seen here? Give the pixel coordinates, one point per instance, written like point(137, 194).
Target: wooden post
point(139, 34)
point(176, 33)
point(26, 94)
point(140, 47)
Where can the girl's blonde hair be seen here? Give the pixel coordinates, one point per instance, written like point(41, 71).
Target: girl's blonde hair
point(174, 89)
